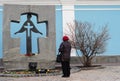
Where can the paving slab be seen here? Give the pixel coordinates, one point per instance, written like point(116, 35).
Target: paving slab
point(108, 73)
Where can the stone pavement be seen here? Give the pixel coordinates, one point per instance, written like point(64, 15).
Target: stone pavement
point(107, 73)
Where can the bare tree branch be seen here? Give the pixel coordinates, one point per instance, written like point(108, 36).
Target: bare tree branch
point(85, 39)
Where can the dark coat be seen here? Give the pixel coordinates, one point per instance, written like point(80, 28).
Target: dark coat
point(65, 49)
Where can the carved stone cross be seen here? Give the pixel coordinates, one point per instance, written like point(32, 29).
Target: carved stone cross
point(29, 27)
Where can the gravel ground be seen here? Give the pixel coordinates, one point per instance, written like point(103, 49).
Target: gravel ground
point(108, 73)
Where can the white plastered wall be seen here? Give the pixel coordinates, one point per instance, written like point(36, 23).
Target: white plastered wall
point(68, 17)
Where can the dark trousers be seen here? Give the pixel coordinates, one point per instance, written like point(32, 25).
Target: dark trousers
point(66, 68)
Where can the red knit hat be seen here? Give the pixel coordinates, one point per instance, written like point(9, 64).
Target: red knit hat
point(65, 38)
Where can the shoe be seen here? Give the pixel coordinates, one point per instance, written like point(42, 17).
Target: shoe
point(65, 76)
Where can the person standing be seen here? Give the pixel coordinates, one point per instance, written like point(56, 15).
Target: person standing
point(65, 50)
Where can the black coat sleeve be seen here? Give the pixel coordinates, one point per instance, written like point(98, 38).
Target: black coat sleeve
point(61, 48)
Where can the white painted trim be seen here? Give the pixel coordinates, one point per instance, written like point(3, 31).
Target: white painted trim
point(61, 2)
point(107, 2)
point(98, 9)
point(89, 9)
point(68, 17)
point(31, 2)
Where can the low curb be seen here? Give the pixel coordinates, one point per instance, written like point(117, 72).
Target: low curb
point(73, 70)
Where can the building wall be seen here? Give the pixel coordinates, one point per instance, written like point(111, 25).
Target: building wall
point(1, 15)
point(99, 16)
point(97, 12)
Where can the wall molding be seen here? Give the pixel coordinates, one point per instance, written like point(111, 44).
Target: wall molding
point(61, 2)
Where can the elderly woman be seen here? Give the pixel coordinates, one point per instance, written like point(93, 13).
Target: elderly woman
point(65, 49)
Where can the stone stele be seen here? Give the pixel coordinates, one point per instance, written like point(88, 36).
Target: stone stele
point(12, 58)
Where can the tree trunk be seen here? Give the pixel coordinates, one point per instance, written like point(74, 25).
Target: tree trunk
point(87, 61)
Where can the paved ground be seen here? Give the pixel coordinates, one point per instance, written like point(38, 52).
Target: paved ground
point(107, 73)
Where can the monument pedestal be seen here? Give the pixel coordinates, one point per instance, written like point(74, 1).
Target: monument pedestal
point(12, 58)
point(17, 61)
point(1, 65)
point(11, 65)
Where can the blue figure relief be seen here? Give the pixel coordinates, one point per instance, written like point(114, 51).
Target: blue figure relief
point(29, 28)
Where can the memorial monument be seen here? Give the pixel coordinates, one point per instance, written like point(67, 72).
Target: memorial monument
point(46, 46)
